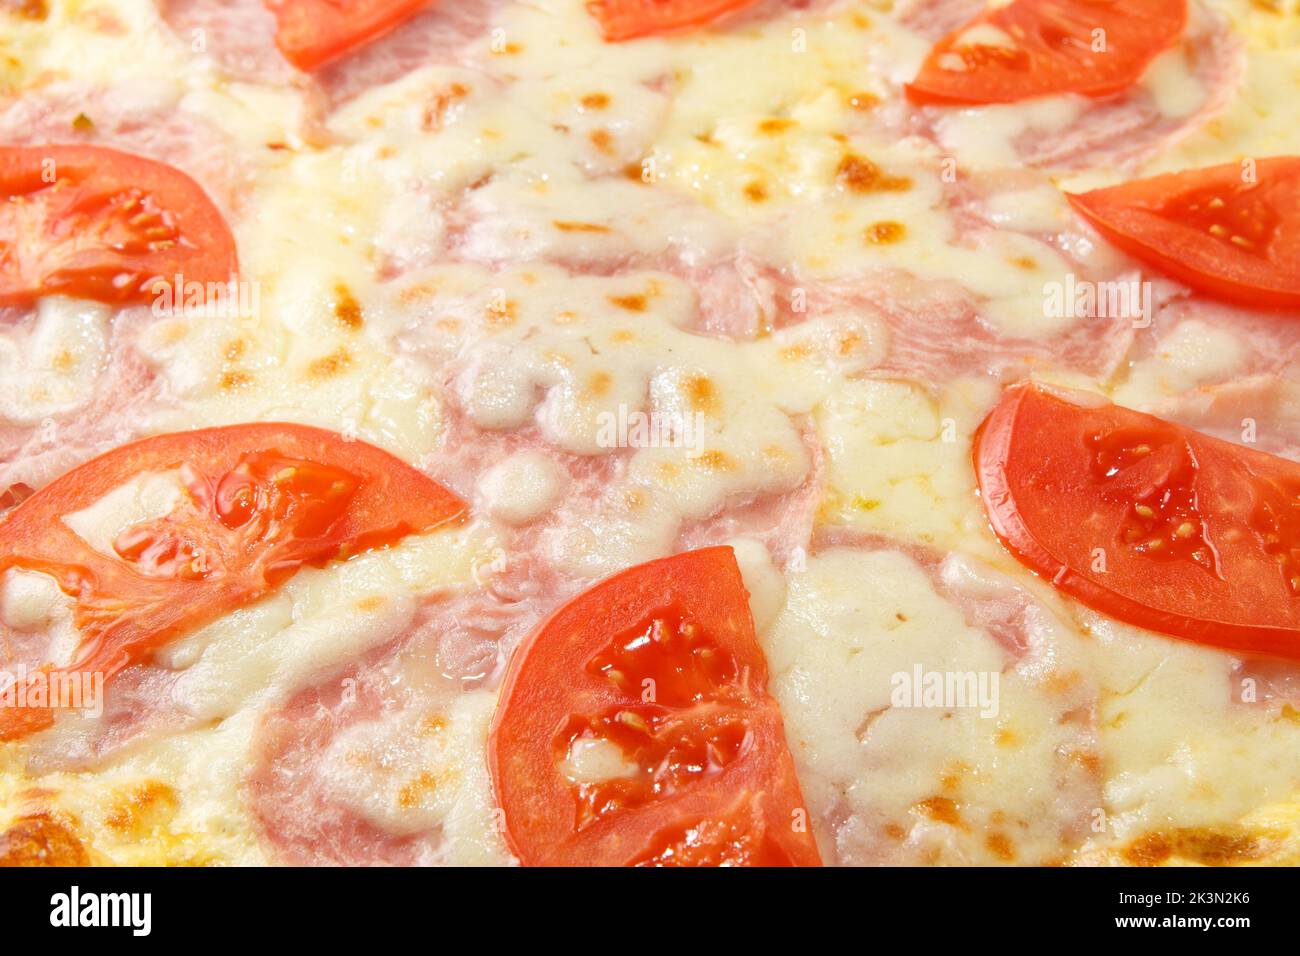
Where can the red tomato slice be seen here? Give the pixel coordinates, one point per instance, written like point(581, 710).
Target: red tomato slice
point(1090, 47)
point(1147, 521)
point(263, 500)
point(660, 662)
point(630, 19)
point(311, 33)
point(99, 224)
point(1213, 229)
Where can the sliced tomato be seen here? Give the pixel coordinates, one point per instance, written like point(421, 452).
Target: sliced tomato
point(260, 501)
point(100, 224)
point(1149, 522)
point(1032, 48)
point(311, 33)
point(629, 19)
point(1230, 231)
point(659, 667)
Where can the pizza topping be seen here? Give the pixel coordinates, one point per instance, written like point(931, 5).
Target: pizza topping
point(1147, 521)
point(1032, 48)
point(40, 840)
point(259, 502)
point(735, 837)
point(1276, 520)
point(1230, 231)
point(659, 672)
point(101, 224)
point(684, 668)
point(1163, 520)
point(311, 33)
point(630, 19)
point(900, 770)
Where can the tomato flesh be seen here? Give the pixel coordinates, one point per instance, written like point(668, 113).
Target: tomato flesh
point(1048, 47)
point(246, 522)
point(678, 741)
point(630, 19)
point(734, 837)
point(313, 33)
point(660, 666)
point(1230, 231)
point(1147, 521)
point(101, 224)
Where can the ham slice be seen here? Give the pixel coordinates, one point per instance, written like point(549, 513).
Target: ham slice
point(441, 34)
point(286, 795)
point(381, 711)
point(127, 387)
point(240, 36)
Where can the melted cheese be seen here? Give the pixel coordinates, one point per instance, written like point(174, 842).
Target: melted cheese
point(935, 783)
point(535, 236)
point(897, 460)
point(51, 368)
point(522, 488)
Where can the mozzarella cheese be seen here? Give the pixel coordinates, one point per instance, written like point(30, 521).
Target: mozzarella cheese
point(51, 368)
point(570, 240)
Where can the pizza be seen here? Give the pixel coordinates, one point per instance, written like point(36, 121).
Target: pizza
point(649, 432)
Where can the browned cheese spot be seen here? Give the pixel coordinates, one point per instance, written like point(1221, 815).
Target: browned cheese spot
point(861, 175)
point(233, 380)
point(570, 226)
point(632, 303)
point(715, 460)
point(332, 365)
point(347, 309)
point(598, 385)
point(1204, 845)
point(412, 794)
point(884, 233)
point(504, 313)
point(141, 808)
point(701, 393)
point(435, 113)
point(1000, 845)
point(942, 809)
point(636, 172)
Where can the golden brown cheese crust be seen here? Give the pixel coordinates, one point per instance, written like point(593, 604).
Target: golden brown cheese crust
point(41, 840)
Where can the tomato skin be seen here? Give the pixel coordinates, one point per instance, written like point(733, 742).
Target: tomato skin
point(109, 226)
point(632, 19)
point(264, 499)
point(1165, 222)
point(559, 682)
point(314, 33)
point(1053, 52)
point(1061, 481)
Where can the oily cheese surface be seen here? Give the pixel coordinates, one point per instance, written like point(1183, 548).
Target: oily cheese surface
point(478, 256)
